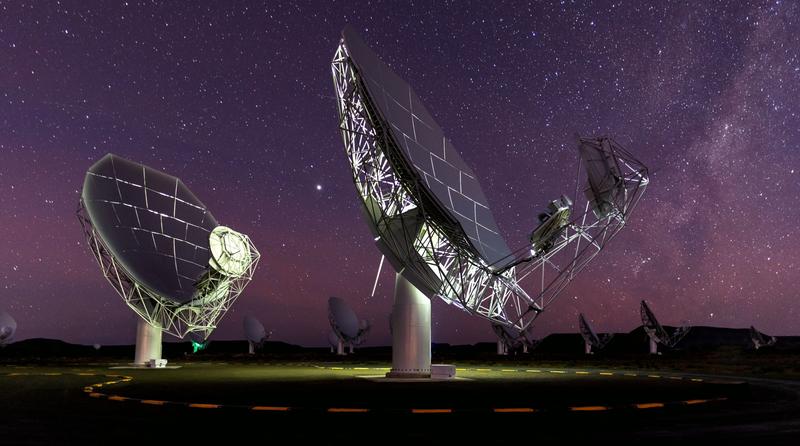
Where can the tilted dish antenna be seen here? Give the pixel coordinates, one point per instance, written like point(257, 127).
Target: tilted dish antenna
point(255, 333)
point(431, 220)
point(592, 341)
point(346, 326)
point(163, 252)
point(656, 333)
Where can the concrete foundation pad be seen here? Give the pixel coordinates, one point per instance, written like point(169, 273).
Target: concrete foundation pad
point(386, 379)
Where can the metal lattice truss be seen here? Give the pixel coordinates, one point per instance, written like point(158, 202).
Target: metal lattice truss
point(215, 292)
point(427, 247)
point(760, 339)
point(589, 231)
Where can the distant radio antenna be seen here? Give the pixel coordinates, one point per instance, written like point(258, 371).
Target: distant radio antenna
point(349, 331)
point(511, 339)
point(592, 341)
point(656, 333)
point(256, 335)
point(760, 339)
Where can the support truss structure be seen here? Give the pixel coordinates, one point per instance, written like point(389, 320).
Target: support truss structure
point(215, 292)
point(431, 250)
point(602, 214)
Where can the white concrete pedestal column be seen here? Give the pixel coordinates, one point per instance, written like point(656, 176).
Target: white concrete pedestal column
point(148, 342)
point(411, 332)
point(653, 347)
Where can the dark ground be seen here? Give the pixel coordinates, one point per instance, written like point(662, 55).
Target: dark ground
point(758, 403)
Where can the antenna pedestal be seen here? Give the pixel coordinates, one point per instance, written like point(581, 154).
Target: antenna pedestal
point(411, 332)
point(653, 346)
point(148, 342)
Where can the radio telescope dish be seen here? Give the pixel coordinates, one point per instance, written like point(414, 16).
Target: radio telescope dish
point(348, 329)
point(657, 334)
point(255, 333)
point(8, 326)
point(592, 341)
point(254, 330)
point(344, 321)
point(509, 338)
point(431, 219)
point(162, 251)
point(760, 339)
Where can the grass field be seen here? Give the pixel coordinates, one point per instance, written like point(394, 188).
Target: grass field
point(359, 386)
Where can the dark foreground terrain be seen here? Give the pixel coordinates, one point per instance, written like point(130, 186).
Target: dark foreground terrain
point(734, 396)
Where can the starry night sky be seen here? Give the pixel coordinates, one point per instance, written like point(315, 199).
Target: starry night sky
point(237, 100)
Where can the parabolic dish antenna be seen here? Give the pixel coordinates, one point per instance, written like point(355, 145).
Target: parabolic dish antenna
point(255, 333)
point(591, 340)
point(431, 220)
point(8, 326)
point(254, 330)
point(343, 319)
point(345, 324)
point(657, 333)
point(162, 250)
